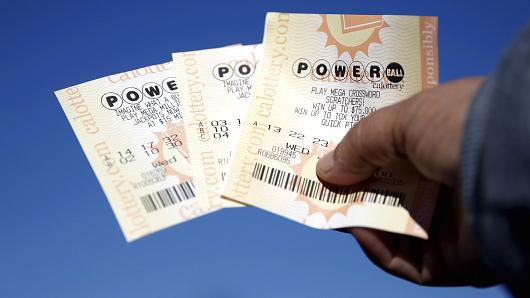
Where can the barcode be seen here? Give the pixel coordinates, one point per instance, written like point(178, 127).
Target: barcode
point(334, 195)
point(168, 196)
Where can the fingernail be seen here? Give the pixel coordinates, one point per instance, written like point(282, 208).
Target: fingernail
point(325, 164)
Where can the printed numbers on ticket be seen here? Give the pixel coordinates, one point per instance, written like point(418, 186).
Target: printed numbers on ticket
point(216, 87)
point(318, 76)
point(130, 128)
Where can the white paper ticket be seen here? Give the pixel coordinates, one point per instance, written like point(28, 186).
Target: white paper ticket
point(318, 76)
point(215, 88)
point(130, 128)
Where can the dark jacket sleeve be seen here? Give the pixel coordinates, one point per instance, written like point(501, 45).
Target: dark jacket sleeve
point(495, 168)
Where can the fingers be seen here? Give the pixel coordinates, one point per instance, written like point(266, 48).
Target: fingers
point(377, 245)
point(375, 141)
point(396, 254)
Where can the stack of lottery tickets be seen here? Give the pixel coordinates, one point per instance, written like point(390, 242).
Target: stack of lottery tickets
point(245, 125)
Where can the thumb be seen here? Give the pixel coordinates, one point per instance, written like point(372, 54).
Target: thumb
point(374, 142)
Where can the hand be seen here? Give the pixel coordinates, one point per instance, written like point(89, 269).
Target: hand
point(426, 131)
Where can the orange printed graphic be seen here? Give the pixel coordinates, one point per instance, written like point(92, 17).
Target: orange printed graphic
point(307, 164)
point(352, 33)
point(177, 130)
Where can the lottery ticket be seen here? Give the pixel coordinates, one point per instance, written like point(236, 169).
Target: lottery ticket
point(319, 75)
point(215, 88)
point(130, 127)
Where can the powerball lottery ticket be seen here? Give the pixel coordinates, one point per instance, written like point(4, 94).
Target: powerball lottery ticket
point(130, 127)
point(215, 85)
point(319, 75)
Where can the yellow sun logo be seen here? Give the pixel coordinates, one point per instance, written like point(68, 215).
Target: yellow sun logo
point(352, 33)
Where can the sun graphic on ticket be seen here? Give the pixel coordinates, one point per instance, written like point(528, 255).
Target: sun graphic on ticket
point(335, 201)
point(173, 137)
point(352, 33)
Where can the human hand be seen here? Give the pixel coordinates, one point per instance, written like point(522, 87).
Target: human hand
point(426, 131)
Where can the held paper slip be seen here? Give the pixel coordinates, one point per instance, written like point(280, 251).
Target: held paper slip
point(215, 86)
point(318, 76)
point(130, 127)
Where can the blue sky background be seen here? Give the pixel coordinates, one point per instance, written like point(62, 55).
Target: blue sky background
point(58, 235)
